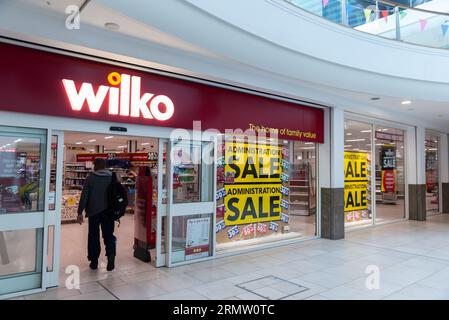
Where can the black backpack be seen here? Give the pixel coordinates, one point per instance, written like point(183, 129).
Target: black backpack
point(117, 199)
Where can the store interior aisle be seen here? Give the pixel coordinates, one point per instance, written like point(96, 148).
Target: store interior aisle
point(74, 251)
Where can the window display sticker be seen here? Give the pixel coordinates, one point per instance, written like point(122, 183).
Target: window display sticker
point(284, 204)
point(285, 164)
point(220, 194)
point(232, 232)
point(285, 191)
point(51, 197)
point(197, 238)
point(262, 228)
point(220, 225)
point(221, 162)
point(285, 218)
point(274, 226)
point(220, 211)
point(285, 177)
point(248, 230)
point(285, 152)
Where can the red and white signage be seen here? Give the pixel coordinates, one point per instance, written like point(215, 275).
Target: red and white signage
point(146, 105)
point(44, 83)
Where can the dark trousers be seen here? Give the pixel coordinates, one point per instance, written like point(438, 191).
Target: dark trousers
point(107, 230)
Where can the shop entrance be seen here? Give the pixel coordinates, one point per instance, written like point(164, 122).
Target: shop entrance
point(136, 162)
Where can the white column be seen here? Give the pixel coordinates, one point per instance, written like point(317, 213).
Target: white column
point(444, 158)
point(443, 154)
point(331, 159)
point(337, 132)
point(420, 155)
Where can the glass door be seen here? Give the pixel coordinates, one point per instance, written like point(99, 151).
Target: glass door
point(161, 218)
point(52, 229)
point(191, 201)
point(24, 182)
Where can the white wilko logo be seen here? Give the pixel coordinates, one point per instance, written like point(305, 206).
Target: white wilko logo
point(125, 98)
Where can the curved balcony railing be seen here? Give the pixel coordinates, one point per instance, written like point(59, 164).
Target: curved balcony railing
point(425, 22)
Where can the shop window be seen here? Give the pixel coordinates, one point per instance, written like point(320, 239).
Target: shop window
point(20, 252)
point(358, 174)
point(374, 174)
point(266, 191)
point(390, 174)
point(22, 170)
point(432, 143)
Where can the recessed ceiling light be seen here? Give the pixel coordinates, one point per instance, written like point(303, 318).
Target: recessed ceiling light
point(365, 131)
point(109, 137)
point(111, 26)
point(18, 140)
point(349, 134)
point(79, 142)
point(355, 140)
point(375, 98)
point(145, 144)
point(406, 102)
point(92, 140)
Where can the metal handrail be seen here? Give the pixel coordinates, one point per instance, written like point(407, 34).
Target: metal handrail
point(397, 31)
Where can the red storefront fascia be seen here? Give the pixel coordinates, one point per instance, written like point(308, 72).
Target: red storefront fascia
point(40, 82)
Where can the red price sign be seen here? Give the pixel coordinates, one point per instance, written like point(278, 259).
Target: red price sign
point(248, 230)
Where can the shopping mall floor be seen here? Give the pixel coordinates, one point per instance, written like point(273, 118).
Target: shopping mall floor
point(413, 259)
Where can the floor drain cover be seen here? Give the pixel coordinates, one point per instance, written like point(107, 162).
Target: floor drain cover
point(272, 287)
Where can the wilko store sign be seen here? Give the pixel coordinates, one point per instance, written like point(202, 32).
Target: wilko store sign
point(124, 96)
point(51, 84)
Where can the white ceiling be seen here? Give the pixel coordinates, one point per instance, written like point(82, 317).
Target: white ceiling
point(115, 142)
point(144, 35)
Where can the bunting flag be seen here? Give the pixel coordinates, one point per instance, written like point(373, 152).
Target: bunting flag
point(367, 13)
point(325, 3)
point(422, 24)
point(444, 28)
point(402, 14)
point(385, 15)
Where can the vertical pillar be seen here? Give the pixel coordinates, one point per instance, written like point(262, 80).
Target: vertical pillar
point(99, 149)
point(132, 145)
point(417, 188)
point(444, 173)
point(332, 176)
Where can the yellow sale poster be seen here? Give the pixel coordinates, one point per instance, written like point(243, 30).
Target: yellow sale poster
point(356, 181)
point(356, 166)
point(253, 176)
point(355, 196)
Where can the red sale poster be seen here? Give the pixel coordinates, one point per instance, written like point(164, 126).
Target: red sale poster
point(388, 181)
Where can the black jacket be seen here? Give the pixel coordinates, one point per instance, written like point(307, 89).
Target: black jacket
point(94, 197)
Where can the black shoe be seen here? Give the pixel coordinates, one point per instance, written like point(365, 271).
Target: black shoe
point(111, 263)
point(93, 264)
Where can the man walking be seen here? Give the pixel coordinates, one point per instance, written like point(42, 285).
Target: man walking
point(94, 200)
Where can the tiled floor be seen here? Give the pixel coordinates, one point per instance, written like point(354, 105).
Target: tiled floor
point(412, 259)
